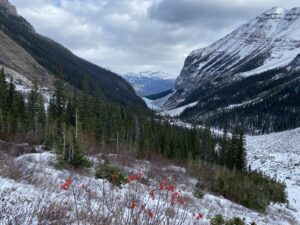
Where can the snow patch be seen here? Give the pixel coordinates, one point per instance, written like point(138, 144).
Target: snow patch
point(177, 111)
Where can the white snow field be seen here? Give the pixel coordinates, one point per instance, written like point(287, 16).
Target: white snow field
point(36, 193)
point(278, 155)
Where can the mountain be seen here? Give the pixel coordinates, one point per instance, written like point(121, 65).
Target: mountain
point(52, 57)
point(250, 77)
point(148, 83)
point(14, 57)
point(8, 8)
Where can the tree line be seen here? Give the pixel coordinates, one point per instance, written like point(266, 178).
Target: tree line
point(74, 122)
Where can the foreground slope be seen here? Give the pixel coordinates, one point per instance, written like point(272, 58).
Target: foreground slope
point(53, 56)
point(33, 181)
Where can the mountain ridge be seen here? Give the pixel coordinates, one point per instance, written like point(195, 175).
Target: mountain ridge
point(53, 56)
point(5, 4)
point(255, 39)
point(150, 82)
point(263, 52)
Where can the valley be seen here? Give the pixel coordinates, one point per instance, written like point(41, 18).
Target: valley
point(81, 144)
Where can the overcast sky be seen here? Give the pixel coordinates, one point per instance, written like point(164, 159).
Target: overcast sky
point(138, 35)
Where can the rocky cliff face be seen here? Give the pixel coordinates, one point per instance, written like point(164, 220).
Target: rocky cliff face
point(269, 41)
point(9, 8)
point(251, 77)
point(14, 57)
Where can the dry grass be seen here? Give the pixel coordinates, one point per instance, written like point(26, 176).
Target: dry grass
point(10, 169)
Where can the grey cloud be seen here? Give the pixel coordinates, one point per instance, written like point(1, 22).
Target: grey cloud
point(212, 12)
point(134, 35)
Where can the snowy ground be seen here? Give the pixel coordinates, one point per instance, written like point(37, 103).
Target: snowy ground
point(278, 155)
point(29, 196)
point(275, 154)
point(24, 86)
point(35, 188)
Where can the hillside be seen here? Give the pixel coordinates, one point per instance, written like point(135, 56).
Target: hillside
point(252, 71)
point(53, 56)
point(12, 56)
point(78, 145)
point(33, 180)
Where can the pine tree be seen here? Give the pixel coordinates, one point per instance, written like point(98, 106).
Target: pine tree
point(231, 154)
point(77, 157)
point(3, 102)
point(33, 107)
point(241, 152)
point(59, 97)
point(99, 117)
point(3, 90)
point(224, 146)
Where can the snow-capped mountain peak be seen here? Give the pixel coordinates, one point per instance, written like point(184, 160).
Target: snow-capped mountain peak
point(255, 68)
point(271, 40)
point(149, 82)
point(152, 74)
point(275, 11)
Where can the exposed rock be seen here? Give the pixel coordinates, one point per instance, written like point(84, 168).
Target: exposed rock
point(16, 61)
point(269, 41)
point(9, 8)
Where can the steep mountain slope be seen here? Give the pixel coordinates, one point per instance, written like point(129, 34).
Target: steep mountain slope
point(7, 7)
point(250, 77)
point(148, 83)
point(14, 57)
point(53, 56)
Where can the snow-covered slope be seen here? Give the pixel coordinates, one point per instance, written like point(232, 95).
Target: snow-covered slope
point(147, 83)
point(35, 196)
point(278, 155)
point(269, 41)
point(177, 111)
point(151, 74)
point(250, 78)
point(24, 85)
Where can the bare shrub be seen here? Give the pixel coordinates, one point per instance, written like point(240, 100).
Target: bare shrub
point(11, 170)
point(8, 150)
point(55, 213)
point(134, 205)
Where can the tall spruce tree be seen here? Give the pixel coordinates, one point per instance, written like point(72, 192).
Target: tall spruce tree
point(3, 102)
point(241, 163)
point(224, 146)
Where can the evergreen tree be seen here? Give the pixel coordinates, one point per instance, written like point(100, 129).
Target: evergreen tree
point(59, 97)
point(231, 154)
point(3, 102)
point(3, 90)
point(33, 107)
point(224, 146)
point(241, 152)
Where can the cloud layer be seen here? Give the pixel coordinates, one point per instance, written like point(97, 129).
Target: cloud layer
point(138, 35)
